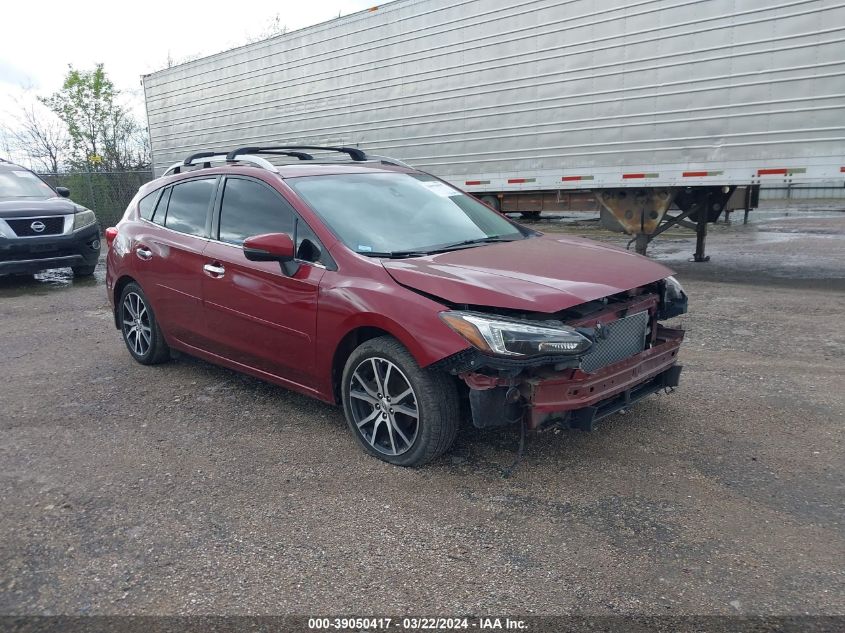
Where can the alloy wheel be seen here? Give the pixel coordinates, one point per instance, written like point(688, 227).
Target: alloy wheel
point(136, 324)
point(384, 406)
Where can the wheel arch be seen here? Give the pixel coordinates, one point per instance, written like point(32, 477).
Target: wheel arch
point(119, 285)
point(350, 341)
point(370, 325)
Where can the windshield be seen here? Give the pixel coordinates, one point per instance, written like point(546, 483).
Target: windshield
point(19, 183)
point(392, 213)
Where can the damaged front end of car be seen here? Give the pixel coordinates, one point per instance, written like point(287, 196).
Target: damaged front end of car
point(571, 368)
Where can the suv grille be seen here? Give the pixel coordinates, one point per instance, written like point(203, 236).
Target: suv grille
point(18, 254)
point(624, 338)
point(53, 225)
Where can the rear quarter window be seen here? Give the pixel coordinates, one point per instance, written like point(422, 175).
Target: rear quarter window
point(147, 205)
point(187, 211)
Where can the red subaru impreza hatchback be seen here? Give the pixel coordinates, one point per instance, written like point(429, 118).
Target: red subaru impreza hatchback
point(383, 289)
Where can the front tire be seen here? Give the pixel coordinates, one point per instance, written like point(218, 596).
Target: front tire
point(397, 411)
point(140, 329)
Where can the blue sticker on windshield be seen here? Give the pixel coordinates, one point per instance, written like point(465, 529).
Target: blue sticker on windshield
point(365, 249)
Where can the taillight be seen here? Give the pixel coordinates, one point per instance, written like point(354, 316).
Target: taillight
point(111, 233)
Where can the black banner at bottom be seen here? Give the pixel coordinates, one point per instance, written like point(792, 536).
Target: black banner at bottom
point(418, 624)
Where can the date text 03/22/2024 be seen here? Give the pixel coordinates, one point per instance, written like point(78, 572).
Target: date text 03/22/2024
point(417, 624)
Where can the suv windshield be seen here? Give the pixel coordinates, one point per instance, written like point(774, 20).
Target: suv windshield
point(395, 213)
point(19, 183)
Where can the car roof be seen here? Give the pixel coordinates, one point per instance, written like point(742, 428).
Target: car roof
point(285, 172)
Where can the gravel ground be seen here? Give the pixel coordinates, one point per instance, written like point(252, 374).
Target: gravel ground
point(187, 488)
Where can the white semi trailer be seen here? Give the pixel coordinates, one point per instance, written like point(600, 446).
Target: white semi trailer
point(644, 105)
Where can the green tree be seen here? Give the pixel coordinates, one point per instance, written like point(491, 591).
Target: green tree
point(104, 136)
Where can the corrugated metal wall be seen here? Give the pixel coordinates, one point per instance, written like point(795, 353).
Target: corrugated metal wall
point(496, 87)
point(833, 192)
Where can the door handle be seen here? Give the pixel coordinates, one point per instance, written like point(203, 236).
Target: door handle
point(143, 253)
point(214, 270)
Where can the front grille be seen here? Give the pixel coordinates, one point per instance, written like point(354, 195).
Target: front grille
point(19, 254)
point(53, 225)
point(620, 339)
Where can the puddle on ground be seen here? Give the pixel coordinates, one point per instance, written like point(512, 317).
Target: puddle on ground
point(47, 281)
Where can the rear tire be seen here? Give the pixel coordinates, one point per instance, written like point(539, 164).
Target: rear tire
point(397, 411)
point(84, 271)
point(139, 327)
point(531, 215)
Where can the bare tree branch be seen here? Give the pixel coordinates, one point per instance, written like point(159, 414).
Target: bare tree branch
point(39, 136)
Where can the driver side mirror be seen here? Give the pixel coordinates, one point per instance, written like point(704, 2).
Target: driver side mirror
point(272, 247)
point(64, 192)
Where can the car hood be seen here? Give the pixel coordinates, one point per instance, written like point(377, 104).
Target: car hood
point(543, 274)
point(15, 207)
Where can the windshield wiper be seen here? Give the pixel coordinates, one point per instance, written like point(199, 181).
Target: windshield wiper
point(394, 254)
point(440, 249)
point(480, 240)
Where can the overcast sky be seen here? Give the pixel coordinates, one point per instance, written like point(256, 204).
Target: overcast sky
point(38, 39)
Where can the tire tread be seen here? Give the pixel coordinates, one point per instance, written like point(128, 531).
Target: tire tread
point(160, 352)
point(436, 388)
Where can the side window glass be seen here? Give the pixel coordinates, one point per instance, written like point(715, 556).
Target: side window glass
point(250, 208)
point(187, 210)
point(147, 205)
point(161, 207)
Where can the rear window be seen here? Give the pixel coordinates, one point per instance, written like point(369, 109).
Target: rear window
point(187, 210)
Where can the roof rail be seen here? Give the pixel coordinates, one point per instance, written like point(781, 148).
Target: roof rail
point(198, 155)
point(217, 157)
point(389, 161)
point(248, 155)
point(354, 153)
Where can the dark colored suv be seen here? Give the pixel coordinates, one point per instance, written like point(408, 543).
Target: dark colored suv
point(383, 289)
point(40, 228)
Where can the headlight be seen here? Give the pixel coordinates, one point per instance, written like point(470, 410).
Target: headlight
point(512, 337)
point(674, 300)
point(83, 218)
point(674, 289)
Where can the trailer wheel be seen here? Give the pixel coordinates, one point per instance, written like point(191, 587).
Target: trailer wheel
point(491, 201)
point(531, 215)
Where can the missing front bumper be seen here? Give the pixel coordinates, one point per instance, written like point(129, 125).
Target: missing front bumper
point(575, 396)
point(586, 417)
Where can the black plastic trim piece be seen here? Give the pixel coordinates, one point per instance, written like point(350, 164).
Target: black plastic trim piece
point(354, 153)
point(190, 159)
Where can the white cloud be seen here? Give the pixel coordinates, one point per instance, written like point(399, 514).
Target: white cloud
point(133, 39)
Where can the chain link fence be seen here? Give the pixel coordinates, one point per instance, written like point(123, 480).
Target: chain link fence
point(104, 192)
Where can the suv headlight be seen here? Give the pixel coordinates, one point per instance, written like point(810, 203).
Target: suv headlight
point(674, 289)
point(83, 218)
point(674, 300)
point(513, 337)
